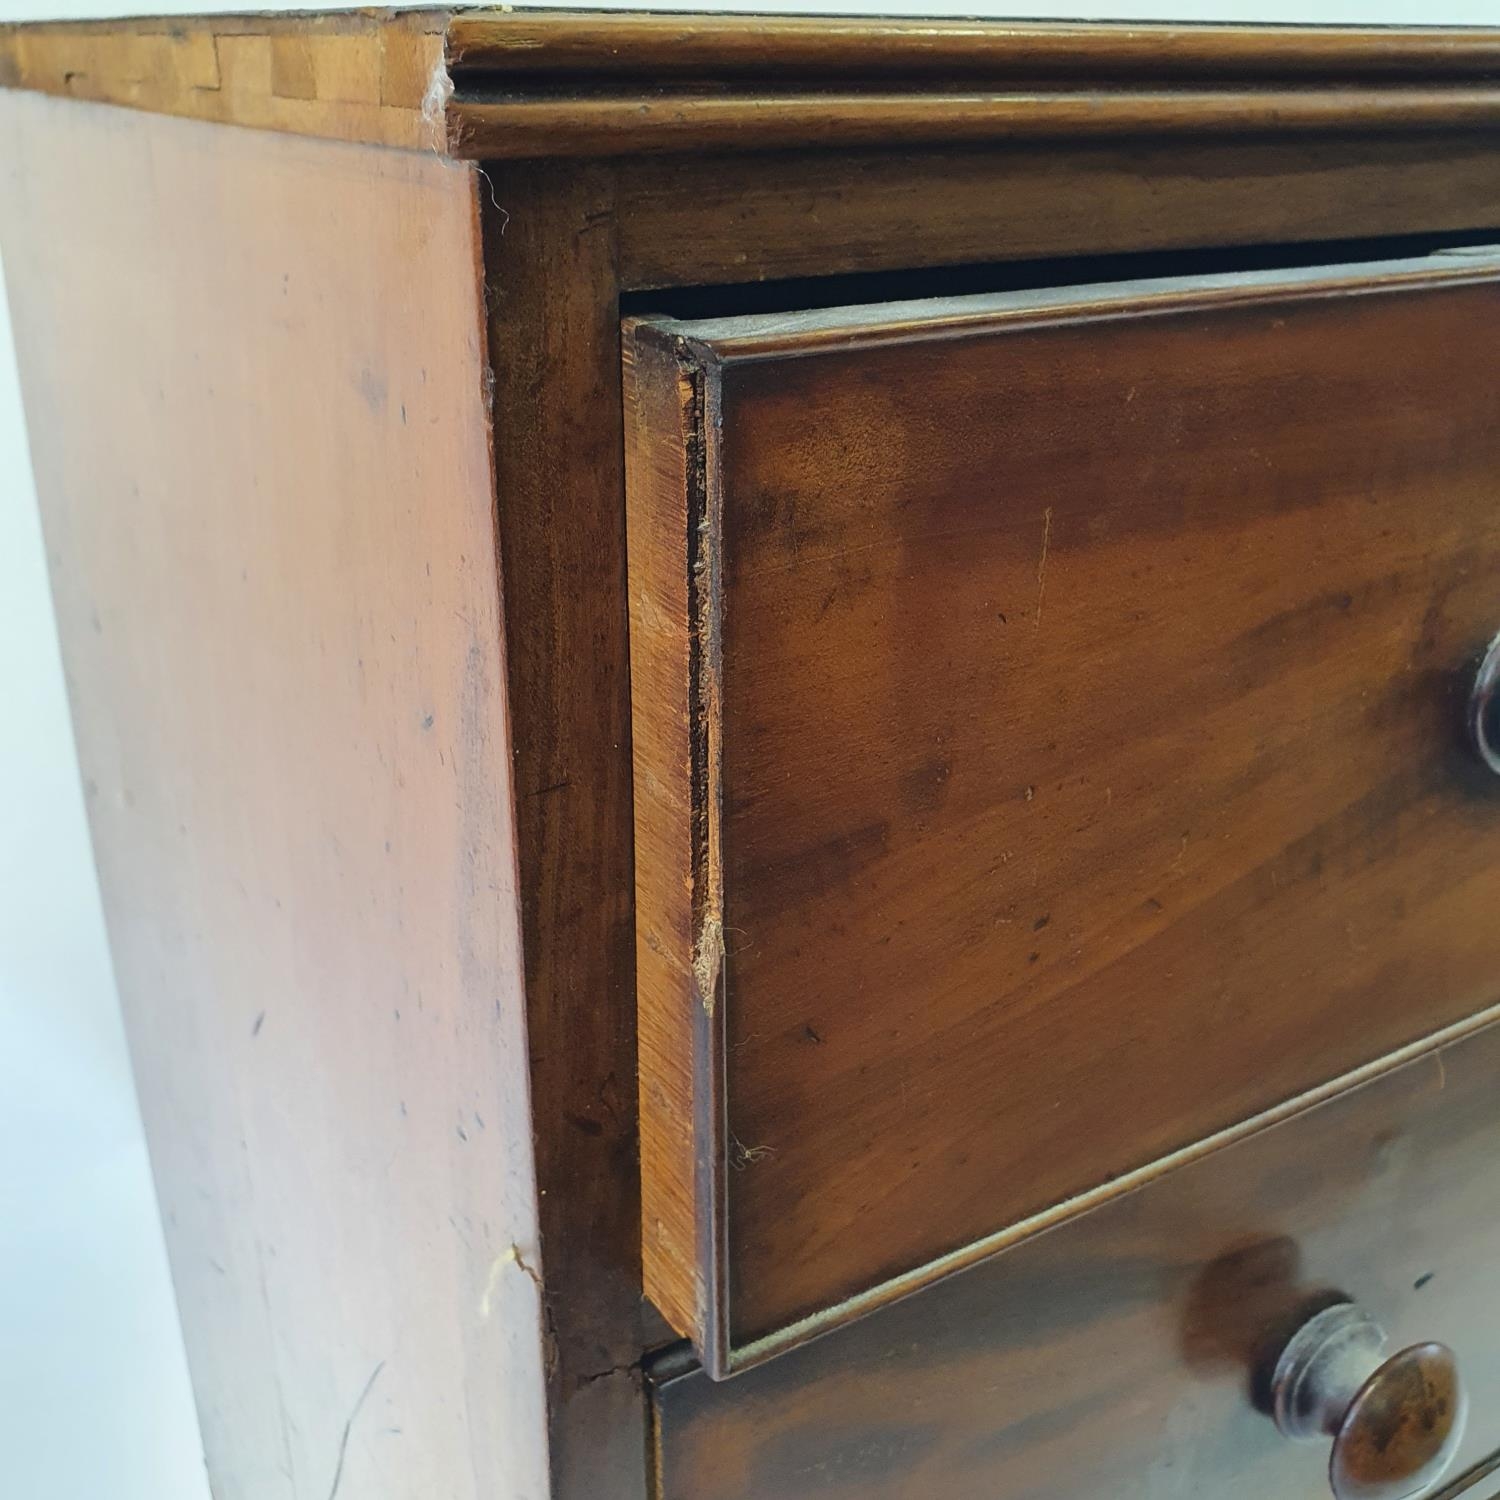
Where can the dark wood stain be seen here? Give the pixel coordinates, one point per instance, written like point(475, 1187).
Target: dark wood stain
point(707, 218)
point(554, 349)
point(1076, 896)
point(729, 46)
point(1118, 1354)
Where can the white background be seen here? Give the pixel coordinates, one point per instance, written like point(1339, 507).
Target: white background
point(94, 1397)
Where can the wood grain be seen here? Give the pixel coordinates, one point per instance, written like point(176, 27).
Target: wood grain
point(1400, 144)
point(675, 664)
point(254, 372)
point(1089, 777)
point(554, 85)
point(555, 342)
point(1113, 1356)
point(361, 76)
point(707, 218)
point(634, 122)
point(492, 85)
point(829, 46)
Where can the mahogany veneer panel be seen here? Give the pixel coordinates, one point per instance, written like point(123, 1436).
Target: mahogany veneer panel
point(1047, 751)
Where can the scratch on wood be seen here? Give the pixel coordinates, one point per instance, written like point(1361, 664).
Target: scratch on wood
point(707, 961)
point(338, 1472)
point(1041, 567)
point(525, 1267)
point(510, 1256)
point(589, 1377)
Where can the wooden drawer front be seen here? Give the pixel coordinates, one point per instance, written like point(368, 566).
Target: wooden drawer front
point(1113, 1356)
point(1048, 752)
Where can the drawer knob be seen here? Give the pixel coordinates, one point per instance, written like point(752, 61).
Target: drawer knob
point(1396, 1422)
point(1484, 708)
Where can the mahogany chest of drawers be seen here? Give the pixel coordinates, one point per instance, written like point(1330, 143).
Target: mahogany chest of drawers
point(791, 730)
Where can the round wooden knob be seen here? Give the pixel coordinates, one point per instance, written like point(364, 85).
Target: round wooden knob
point(1396, 1422)
point(1484, 708)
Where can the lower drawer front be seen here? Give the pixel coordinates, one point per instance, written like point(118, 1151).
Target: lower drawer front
point(1116, 1355)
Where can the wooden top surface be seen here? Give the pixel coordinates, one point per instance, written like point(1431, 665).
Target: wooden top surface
point(354, 76)
point(484, 83)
